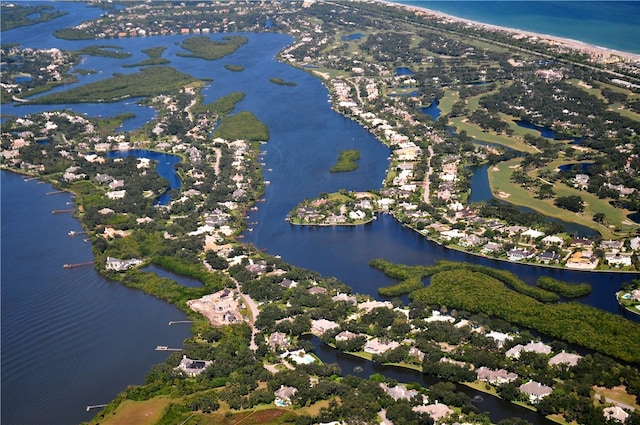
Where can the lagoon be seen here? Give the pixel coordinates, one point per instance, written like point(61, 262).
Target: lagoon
point(72, 338)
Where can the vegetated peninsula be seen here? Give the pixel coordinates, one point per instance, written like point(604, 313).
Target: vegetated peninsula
point(255, 360)
point(147, 82)
point(17, 15)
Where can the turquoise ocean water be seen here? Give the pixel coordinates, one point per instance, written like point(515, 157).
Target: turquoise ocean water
point(611, 24)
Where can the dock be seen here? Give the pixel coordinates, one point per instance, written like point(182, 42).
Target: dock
point(179, 322)
point(55, 192)
point(165, 348)
point(95, 406)
point(74, 265)
point(72, 233)
point(61, 211)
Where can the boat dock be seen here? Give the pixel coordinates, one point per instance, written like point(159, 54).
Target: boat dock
point(55, 192)
point(165, 348)
point(179, 322)
point(61, 211)
point(95, 406)
point(74, 265)
point(72, 233)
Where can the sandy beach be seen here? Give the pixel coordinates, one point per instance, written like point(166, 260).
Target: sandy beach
point(597, 53)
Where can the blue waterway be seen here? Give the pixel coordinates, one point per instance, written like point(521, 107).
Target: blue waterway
point(70, 338)
point(610, 24)
point(165, 167)
point(66, 338)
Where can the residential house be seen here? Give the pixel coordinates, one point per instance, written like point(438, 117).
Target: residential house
point(535, 390)
point(565, 358)
point(615, 413)
point(618, 259)
point(518, 254)
point(399, 392)
point(278, 339)
point(118, 265)
point(285, 394)
point(317, 290)
point(548, 257)
point(379, 346)
point(192, 367)
point(495, 377)
point(320, 326)
point(436, 411)
point(499, 337)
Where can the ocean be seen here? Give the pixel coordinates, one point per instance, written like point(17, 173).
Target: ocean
point(610, 24)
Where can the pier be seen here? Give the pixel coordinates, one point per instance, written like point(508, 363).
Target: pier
point(179, 322)
point(72, 233)
point(61, 211)
point(74, 265)
point(95, 406)
point(165, 348)
point(55, 192)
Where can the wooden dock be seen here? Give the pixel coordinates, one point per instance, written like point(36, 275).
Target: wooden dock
point(179, 322)
point(165, 348)
point(74, 265)
point(61, 211)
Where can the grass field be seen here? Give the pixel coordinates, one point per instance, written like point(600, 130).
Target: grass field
point(137, 412)
point(499, 179)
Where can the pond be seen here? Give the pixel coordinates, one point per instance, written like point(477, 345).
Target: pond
point(403, 70)
point(165, 167)
point(351, 37)
point(432, 110)
point(182, 280)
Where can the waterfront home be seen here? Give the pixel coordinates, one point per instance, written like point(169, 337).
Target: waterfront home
point(536, 347)
point(499, 337)
point(320, 326)
point(553, 240)
point(345, 336)
point(495, 377)
point(351, 299)
point(118, 265)
point(436, 411)
point(582, 260)
point(548, 257)
point(415, 352)
point(565, 358)
point(618, 259)
point(535, 390)
point(367, 306)
point(490, 247)
point(192, 367)
point(399, 392)
point(378, 346)
point(317, 290)
point(518, 254)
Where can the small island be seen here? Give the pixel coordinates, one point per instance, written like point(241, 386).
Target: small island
point(281, 82)
point(342, 208)
point(346, 161)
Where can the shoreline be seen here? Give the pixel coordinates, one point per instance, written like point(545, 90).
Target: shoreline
point(596, 52)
